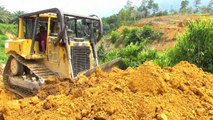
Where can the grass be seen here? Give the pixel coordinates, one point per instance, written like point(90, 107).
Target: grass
point(3, 56)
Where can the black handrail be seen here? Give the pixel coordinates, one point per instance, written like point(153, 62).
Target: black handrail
point(34, 36)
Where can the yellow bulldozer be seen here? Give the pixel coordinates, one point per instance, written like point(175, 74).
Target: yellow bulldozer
point(51, 43)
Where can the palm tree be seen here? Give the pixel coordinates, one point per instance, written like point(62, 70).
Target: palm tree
point(15, 15)
point(5, 15)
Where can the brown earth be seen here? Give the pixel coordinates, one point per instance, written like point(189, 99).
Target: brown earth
point(170, 26)
point(182, 92)
point(5, 95)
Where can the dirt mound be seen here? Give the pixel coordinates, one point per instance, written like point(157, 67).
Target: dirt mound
point(146, 92)
point(5, 96)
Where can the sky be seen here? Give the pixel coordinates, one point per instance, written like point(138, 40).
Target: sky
point(102, 8)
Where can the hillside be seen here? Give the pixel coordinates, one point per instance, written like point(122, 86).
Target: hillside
point(168, 26)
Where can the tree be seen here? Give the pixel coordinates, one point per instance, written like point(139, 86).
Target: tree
point(15, 16)
point(210, 4)
point(101, 53)
point(129, 11)
point(134, 14)
point(143, 8)
point(5, 15)
point(128, 4)
point(207, 9)
point(122, 16)
point(155, 8)
point(184, 4)
point(148, 7)
point(162, 13)
point(210, 7)
point(172, 11)
point(197, 7)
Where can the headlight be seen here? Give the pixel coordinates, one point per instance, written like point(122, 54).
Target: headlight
point(6, 45)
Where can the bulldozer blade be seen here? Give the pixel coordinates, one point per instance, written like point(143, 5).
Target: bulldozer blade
point(106, 67)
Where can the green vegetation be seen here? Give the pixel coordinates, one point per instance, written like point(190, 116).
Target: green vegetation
point(114, 36)
point(195, 45)
point(132, 55)
point(11, 28)
point(135, 35)
point(135, 52)
point(8, 17)
point(4, 28)
point(101, 52)
point(130, 14)
point(8, 23)
point(138, 35)
point(148, 8)
point(3, 56)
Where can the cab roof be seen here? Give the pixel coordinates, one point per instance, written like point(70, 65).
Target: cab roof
point(58, 12)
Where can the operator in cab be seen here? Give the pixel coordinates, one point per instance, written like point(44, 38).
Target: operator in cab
point(42, 38)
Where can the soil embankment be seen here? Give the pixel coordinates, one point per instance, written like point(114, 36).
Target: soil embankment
point(147, 92)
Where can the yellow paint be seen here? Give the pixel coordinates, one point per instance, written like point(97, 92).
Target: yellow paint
point(48, 26)
point(21, 31)
point(22, 47)
point(55, 56)
point(45, 15)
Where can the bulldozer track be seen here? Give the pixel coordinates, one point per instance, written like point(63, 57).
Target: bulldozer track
point(38, 69)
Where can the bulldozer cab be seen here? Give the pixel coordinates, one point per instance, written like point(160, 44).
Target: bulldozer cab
point(59, 39)
point(38, 32)
point(60, 26)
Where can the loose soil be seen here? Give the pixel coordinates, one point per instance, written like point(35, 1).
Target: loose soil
point(147, 92)
point(5, 95)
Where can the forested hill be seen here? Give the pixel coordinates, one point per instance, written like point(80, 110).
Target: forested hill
point(148, 8)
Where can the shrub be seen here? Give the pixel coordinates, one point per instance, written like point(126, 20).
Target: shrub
point(133, 35)
point(2, 40)
point(101, 53)
point(147, 55)
point(11, 28)
point(111, 55)
point(195, 45)
point(114, 36)
point(129, 56)
point(126, 31)
point(3, 37)
point(138, 35)
point(147, 32)
point(3, 56)
point(161, 59)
